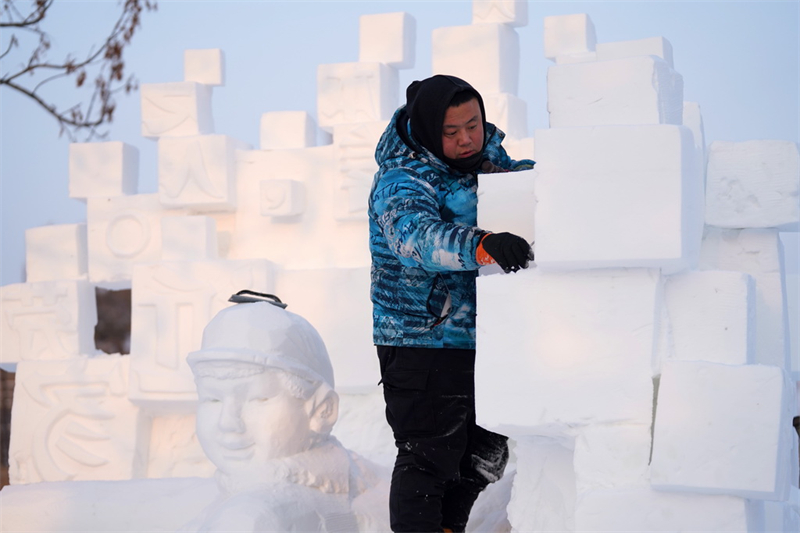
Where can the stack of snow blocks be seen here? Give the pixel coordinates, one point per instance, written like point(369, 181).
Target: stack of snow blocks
point(287, 218)
point(642, 365)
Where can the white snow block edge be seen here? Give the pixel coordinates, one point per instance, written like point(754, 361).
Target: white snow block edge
point(753, 184)
point(723, 429)
point(566, 35)
point(653, 46)
point(56, 252)
point(653, 218)
point(491, 67)
point(388, 38)
point(287, 129)
point(628, 91)
point(205, 66)
point(511, 12)
point(99, 169)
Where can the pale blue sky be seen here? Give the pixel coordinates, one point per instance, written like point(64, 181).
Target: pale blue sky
point(739, 61)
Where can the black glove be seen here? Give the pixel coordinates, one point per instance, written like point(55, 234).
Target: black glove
point(510, 251)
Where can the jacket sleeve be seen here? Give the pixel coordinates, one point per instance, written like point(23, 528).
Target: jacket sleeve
point(407, 211)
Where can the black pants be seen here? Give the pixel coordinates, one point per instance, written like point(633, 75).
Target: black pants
point(444, 460)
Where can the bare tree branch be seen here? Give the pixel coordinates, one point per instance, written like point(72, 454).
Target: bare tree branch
point(105, 63)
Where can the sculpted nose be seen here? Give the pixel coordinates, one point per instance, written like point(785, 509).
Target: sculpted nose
point(230, 418)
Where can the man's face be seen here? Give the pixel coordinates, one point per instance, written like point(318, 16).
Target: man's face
point(242, 422)
point(462, 131)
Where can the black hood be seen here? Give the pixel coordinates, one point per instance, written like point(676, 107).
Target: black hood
point(426, 105)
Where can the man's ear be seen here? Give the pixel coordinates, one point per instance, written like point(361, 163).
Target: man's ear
point(323, 409)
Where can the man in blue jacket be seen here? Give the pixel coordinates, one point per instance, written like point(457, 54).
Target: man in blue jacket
point(426, 251)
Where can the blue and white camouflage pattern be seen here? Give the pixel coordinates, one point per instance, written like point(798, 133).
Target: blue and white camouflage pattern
point(423, 238)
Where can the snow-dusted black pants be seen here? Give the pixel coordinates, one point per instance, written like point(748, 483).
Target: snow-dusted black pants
point(444, 460)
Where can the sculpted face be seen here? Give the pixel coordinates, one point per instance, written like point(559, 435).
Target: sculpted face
point(245, 421)
point(462, 131)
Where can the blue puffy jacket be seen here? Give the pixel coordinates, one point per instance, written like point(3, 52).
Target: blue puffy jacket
point(423, 238)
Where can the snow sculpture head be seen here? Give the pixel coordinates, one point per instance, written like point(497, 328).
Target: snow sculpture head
point(265, 387)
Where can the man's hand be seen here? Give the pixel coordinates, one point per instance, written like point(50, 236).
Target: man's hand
point(488, 167)
point(510, 251)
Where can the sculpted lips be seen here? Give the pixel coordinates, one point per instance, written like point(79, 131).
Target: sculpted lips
point(237, 450)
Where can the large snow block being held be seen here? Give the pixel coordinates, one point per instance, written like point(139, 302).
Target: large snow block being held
point(753, 184)
point(617, 197)
point(629, 91)
point(485, 55)
point(565, 348)
point(723, 429)
point(506, 202)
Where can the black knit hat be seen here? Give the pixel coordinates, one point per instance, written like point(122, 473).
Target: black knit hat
point(426, 104)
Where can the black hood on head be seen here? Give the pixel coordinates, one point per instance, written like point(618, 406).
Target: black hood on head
point(426, 104)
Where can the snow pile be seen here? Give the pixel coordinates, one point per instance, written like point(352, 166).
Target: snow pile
point(639, 369)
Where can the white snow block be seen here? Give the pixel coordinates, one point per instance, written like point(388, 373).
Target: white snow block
point(121, 231)
point(361, 426)
point(388, 38)
point(327, 242)
point(653, 46)
point(507, 202)
point(71, 420)
point(56, 252)
point(188, 238)
point(171, 304)
point(485, 55)
point(566, 35)
point(282, 198)
point(198, 172)
point(511, 12)
point(734, 441)
point(693, 119)
point(141, 505)
point(520, 148)
point(612, 457)
point(287, 129)
point(174, 450)
point(205, 66)
point(631, 91)
point(47, 320)
point(566, 348)
point(103, 169)
point(507, 112)
point(355, 92)
point(712, 316)
point(354, 149)
point(651, 211)
point(753, 184)
point(178, 109)
point(543, 495)
point(643, 509)
point(758, 252)
point(336, 302)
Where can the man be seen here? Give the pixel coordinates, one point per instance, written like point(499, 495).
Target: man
point(426, 250)
point(266, 409)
